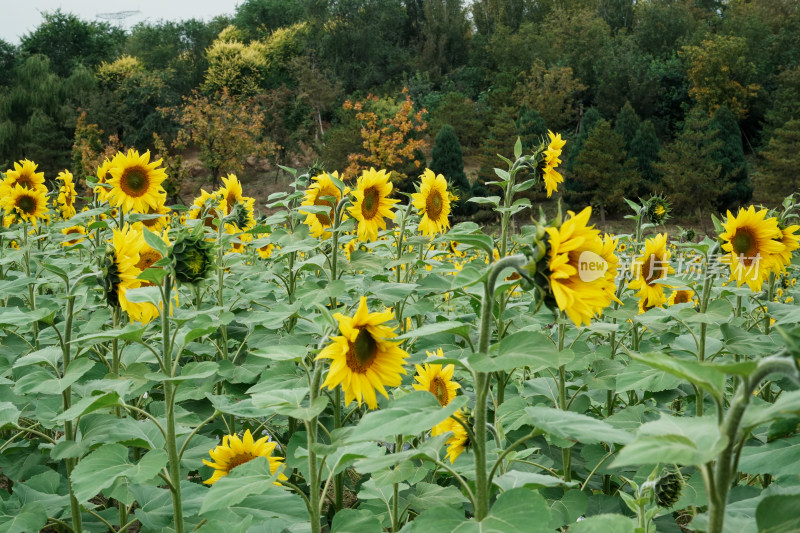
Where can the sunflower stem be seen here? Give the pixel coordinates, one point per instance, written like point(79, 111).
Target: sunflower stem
point(770, 296)
point(311, 441)
point(398, 447)
point(400, 238)
point(566, 453)
point(701, 347)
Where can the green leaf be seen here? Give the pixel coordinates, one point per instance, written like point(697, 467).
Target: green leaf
point(779, 457)
point(517, 478)
point(281, 352)
point(45, 383)
point(575, 426)
point(428, 496)
point(708, 378)
point(32, 517)
point(777, 513)
point(520, 349)
point(131, 333)
point(101, 468)
point(517, 148)
point(9, 414)
point(87, 405)
point(254, 478)
point(484, 242)
point(604, 523)
point(638, 376)
point(50, 355)
point(290, 402)
point(352, 521)
point(409, 415)
point(456, 328)
point(144, 295)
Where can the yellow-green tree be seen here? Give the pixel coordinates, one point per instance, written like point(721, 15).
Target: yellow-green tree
point(720, 74)
point(239, 67)
point(551, 92)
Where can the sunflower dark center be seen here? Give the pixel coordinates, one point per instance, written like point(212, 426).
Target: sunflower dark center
point(439, 389)
point(744, 243)
point(683, 297)
point(433, 205)
point(652, 268)
point(369, 207)
point(147, 258)
point(134, 182)
point(238, 460)
point(25, 180)
point(324, 219)
point(26, 204)
point(362, 352)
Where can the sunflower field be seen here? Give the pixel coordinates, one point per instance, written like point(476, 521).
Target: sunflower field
point(352, 363)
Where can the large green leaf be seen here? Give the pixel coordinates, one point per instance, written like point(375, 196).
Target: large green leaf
point(456, 328)
point(9, 414)
point(639, 376)
point(575, 426)
point(709, 378)
point(780, 457)
point(32, 517)
point(521, 349)
point(777, 513)
point(604, 523)
point(517, 478)
point(254, 477)
point(99, 469)
point(352, 521)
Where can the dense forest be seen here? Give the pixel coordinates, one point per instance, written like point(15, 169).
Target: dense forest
point(695, 99)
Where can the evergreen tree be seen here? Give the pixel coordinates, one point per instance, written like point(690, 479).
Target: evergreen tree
point(531, 128)
point(644, 149)
point(447, 159)
point(730, 156)
point(627, 124)
point(779, 172)
point(692, 179)
point(601, 168)
point(590, 118)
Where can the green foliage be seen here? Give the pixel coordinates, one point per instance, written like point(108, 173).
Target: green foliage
point(463, 115)
point(661, 27)
point(603, 175)
point(444, 37)
point(260, 18)
point(778, 172)
point(587, 122)
point(8, 60)
point(645, 148)
point(447, 160)
point(552, 93)
point(627, 124)
point(730, 156)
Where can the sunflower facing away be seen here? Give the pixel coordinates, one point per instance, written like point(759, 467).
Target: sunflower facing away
point(581, 293)
point(26, 204)
point(143, 312)
point(102, 178)
point(363, 359)
point(315, 195)
point(24, 175)
point(650, 267)
point(460, 439)
point(791, 240)
point(438, 381)
point(234, 452)
point(120, 270)
point(552, 178)
point(136, 182)
point(372, 203)
point(232, 196)
point(66, 194)
point(754, 244)
point(433, 203)
point(208, 206)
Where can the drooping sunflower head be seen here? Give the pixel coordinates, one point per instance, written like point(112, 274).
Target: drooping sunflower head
point(372, 203)
point(364, 359)
point(191, 258)
point(438, 381)
point(76, 234)
point(459, 441)
point(323, 192)
point(26, 204)
point(580, 268)
point(658, 209)
point(25, 176)
point(649, 268)
point(230, 192)
point(136, 182)
point(668, 490)
point(753, 243)
point(553, 151)
point(433, 203)
point(234, 452)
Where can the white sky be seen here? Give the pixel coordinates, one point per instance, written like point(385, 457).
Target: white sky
point(19, 17)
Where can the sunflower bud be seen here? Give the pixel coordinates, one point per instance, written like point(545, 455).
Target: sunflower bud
point(191, 258)
point(668, 490)
point(658, 209)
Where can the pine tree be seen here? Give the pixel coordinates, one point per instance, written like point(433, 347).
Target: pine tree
point(601, 168)
point(531, 128)
point(692, 179)
point(627, 124)
point(730, 156)
point(447, 160)
point(779, 172)
point(590, 118)
point(644, 149)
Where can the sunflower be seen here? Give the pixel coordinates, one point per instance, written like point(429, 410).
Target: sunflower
point(156, 224)
point(438, 381)
point(658, 209)
point(232, 198)
point(682, 297)
point(460, 439)
point(433, 203)
point(580, 292)
point(76, 232)
point(66, 194)
point(102, 178)
point(372, 203)
point(552, 178)
point(234, 452)
point(315, 195)
point(650, 267)
point(136, 182)
point(208, 206)
point(24, 175)
point(754, 245)
point(363, 359)
point(643, 307)
point(120, 270)
point(265, 251)
point(791, 240)
point(26, 204)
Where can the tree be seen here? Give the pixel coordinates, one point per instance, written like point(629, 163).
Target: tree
point(692, 179)
point(389, 143)
point(781, 159)
point(69, 41)
point(228, 129)
point(730, 156)
point(605, 176)
point(551, 92)
point(259, 18)
point(627, 124)
point(8, 60)
point(444, 37)
point(463, 115)
point(662, 26)
point(589, 120)
point(316, 88)
point(784, 102)
point(447, 161)
point(645, 148)
point(721, 75)
point(238, 67)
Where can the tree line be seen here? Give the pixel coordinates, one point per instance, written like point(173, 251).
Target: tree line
point(696, 99)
